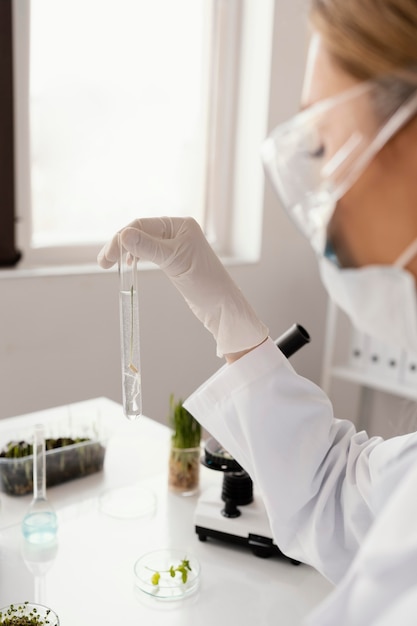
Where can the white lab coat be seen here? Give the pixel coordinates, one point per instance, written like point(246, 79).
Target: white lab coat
point(323, 485)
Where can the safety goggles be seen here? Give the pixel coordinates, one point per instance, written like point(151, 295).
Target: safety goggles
point(314, 158)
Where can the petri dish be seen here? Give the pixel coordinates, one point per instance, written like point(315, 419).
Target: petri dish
point(21, 613)
point(165, 562)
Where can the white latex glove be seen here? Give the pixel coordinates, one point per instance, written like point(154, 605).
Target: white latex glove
point(181, 250)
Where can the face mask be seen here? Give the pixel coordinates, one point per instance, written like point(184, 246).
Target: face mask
point(313, 159)
point(381, 301)
point(311, 173)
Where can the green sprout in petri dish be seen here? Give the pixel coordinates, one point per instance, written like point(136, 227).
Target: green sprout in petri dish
point(182, 568)
point(17, 615)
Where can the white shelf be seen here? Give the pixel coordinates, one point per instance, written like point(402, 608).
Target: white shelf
point(368, 380)
point(353, 357)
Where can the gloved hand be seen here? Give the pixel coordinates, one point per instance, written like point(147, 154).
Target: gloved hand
point(181, 250)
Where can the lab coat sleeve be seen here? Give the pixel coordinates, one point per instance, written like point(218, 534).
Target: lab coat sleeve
point(312, 471)
point(380, 588)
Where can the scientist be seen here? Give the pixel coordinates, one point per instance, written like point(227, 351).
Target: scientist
point(345, 169)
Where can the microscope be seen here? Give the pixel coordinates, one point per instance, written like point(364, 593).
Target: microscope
point(238, 515)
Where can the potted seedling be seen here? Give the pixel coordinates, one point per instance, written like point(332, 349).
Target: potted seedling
point(184, 459)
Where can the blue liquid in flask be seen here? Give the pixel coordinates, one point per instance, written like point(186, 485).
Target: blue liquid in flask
point(40, 524)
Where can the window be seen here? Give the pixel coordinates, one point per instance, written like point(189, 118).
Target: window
point(128, 109)
point(116, 116)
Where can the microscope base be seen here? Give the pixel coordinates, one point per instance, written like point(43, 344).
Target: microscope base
point(250, 529)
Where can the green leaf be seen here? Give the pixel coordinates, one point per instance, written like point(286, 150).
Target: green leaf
point(184, 575)
point(186, 429)
point(183, 568)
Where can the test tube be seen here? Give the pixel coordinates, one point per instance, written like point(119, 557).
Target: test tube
point(129, 335)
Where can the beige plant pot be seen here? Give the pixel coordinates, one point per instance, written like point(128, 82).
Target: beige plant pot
point(184, 470)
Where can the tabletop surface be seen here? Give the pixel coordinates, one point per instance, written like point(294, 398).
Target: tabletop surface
point(88, 577)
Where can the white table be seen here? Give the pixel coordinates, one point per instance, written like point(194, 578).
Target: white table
point(90, 579)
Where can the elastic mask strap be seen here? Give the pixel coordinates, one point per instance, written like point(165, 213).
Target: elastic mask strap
point(408, 254)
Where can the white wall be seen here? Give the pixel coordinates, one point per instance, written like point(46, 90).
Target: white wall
point(59, 340)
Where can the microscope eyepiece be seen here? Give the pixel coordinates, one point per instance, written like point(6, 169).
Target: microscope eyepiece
point(292, 340)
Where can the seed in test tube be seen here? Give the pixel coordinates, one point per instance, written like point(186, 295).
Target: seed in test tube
point(132, 367)
point(129, 335)
point(130, 352)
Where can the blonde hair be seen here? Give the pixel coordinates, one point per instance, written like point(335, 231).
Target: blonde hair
point(370, 38)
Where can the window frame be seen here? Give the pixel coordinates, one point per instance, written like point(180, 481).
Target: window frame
point(9, 254)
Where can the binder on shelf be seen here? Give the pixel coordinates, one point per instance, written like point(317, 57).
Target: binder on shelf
point(366, 361)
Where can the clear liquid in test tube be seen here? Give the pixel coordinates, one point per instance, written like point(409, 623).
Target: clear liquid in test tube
point(129, 335)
